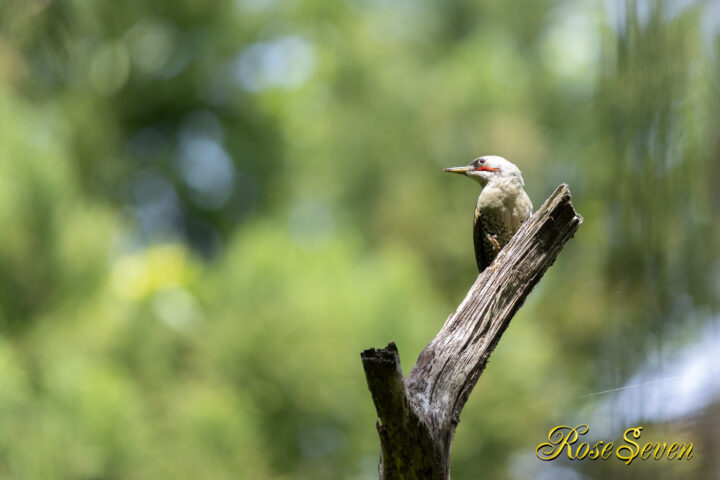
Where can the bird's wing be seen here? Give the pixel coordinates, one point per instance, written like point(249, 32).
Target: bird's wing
point(483, 255)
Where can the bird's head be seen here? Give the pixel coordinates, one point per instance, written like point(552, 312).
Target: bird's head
point(488, 168)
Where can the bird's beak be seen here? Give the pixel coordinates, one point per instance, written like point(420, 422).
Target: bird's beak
point(461, 170)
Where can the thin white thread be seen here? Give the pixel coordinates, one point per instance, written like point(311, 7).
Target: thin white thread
point(627, 387)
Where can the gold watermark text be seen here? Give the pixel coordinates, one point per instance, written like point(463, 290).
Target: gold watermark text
point(565, 438)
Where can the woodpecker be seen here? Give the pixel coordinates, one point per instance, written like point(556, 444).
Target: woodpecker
point(501, 207)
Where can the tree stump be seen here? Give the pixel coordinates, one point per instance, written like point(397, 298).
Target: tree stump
point(418, 414)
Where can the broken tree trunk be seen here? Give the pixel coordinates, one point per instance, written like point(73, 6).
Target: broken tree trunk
point(418, 414)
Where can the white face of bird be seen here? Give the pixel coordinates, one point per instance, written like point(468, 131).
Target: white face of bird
point(484, 169)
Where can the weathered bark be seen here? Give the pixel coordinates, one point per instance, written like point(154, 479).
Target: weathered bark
point(418, 414)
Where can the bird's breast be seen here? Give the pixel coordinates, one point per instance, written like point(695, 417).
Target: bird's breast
point(505, 204)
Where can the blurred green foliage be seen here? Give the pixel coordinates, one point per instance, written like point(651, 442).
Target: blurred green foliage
point(208, 209)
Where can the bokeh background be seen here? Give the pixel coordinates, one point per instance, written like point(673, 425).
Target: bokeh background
point(208, 209)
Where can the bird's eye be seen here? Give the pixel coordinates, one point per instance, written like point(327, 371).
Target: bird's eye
point(482, 160)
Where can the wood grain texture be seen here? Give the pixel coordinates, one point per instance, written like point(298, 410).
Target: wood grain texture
point(418, 415)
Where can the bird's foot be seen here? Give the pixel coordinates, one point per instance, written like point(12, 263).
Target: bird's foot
point(493, 240)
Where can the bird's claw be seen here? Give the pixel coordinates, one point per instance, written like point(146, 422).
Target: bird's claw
point(495, 245)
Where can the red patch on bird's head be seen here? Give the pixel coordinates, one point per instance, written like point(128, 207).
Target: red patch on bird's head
point(486, 169)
